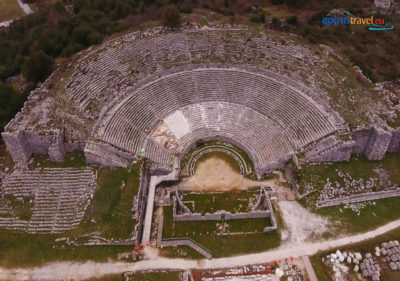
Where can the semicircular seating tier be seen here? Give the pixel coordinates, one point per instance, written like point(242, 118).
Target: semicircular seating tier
point(267, 117)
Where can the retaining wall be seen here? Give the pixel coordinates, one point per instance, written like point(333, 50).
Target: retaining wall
point(187, 242)
point(359, 198)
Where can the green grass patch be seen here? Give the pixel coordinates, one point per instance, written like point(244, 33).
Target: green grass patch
point(20, 249)
point(180, 252)
point(358, 167)
point(110, 211)
point(74, 159)
point(234, 202)
point(202, 232)
point(372, 216)
point(20, 207)
point(155, 276)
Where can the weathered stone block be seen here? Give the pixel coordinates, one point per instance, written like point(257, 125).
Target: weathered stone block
point(378, 144)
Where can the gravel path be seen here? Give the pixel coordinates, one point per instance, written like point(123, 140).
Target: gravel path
point(25, 7)
point(81, 271)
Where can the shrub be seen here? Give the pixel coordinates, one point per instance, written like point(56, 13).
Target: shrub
point(94, 38)
point(186, 9)
point(292, 20)
point(276, 23)
point(171, 17)
point(276, 2)
point(258, 18)
point(80, 34)
point(37, 67)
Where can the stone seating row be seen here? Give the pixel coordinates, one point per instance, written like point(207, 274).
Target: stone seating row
point(142, 57)
point(60, 197)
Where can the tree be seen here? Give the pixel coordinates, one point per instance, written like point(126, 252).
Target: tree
point(11, 102)
point(80, 34)
point(292, 20)
point(37, 67)
point(171, 17)
point(276, 23)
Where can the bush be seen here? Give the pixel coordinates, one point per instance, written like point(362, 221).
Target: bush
point(292, 20)
point(94, 38)
point(72, 48)
point(37, 67)
point(171, 17)
point(316, 19)
point(11, 102)
point(276, 23)
point(258, 18)
point(186, 9)
point(276, 2)
point(80, 34)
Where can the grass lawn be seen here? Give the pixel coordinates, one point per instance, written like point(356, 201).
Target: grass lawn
point(223, 245)
point(111, 205)
point(363, 247)
point(111, 210)
point(74, 159)
point(142, 276)
point(20, 249)
point(9, 10)
point(372, 216)
point(235, 202)
point(180, 252)
point(156, 276)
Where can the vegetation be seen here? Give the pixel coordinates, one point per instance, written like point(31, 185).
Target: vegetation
point(37, 67)
point(20, 249)
point(373, 215)
point(364, 247)
point(142, 276)
point(74, 159)
point(109, 213)
point(235, 202)
point(155, 276)
point(202, 232)
point(171, 17)
point(11, 101)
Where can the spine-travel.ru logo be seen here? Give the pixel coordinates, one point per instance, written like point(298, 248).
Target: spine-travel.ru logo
point(375, 23)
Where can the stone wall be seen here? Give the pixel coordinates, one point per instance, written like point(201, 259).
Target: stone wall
point(359, 198)
point(394, 145)
point(252, 215)
point(373, 142)
point(187, 242)
point(22, 144)
point(17, 146)
point(139, 205)
point(106, 155)
point(331, 150)
point(378, 143)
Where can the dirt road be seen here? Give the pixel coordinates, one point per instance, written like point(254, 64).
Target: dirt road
point(81, 271)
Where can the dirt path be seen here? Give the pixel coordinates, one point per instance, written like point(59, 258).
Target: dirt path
point(25, 7)
point(81, 271)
